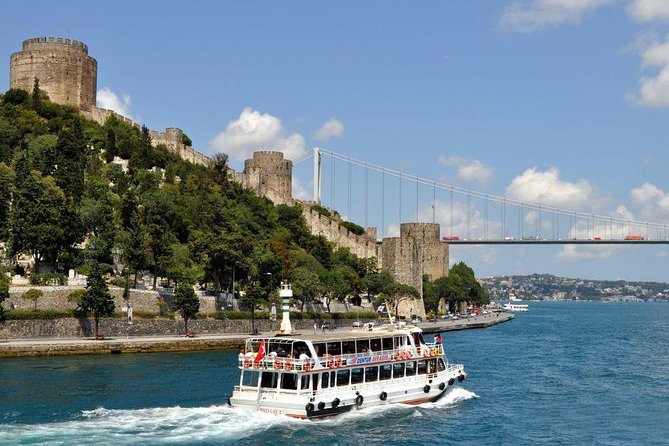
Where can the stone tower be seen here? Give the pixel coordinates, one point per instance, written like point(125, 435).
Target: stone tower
point(417, 251)
point(269, 175)
point(64, 69)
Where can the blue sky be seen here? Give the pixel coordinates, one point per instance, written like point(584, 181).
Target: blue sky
point(560, 101)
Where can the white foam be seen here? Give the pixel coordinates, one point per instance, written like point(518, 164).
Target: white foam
point(221, 424)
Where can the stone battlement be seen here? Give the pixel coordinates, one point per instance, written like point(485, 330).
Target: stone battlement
point(44, 43)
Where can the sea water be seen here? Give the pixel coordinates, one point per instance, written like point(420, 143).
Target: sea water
point(566, 373)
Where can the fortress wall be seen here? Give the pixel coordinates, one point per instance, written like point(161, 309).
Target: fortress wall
point(65, 70)
point(330, 228)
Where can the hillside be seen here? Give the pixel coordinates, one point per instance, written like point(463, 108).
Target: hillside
point(74, 192)
point(549, 287)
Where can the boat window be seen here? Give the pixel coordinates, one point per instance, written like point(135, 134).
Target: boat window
point(387, 343)
point(422, 367)
point(441, 365)
point(325, 380)
point(416, 339)
point(334, 348)
point(386, 372)
point(320, 349)
point(347, 347)
point(289, 381)
point(371, 374)
point(305, 381)
point(410, 368)
point(314, 379)
point(300, 347)
point(398, 370)
point(432, 366)
point(269, 380)
point(375, 345)
point(399, 341)
point(343, 377)
point(362, 346)
point(332, 379)
point(250, 378)
point(357, 375)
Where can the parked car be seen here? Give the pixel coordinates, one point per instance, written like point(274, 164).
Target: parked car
point(357, 324)
point(328, 325)
point(416, 320)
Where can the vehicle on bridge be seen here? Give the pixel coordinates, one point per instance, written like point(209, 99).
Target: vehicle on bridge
point(634, 237)
point(450, 238)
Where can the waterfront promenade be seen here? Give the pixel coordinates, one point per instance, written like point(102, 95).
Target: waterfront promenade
point(167, 343)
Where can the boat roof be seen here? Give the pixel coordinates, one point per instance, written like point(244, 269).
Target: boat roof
point(382, 331)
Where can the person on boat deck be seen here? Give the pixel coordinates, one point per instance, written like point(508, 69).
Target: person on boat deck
point(282, 353)
point(303, 355)
point(273, 353)
point(437, 338)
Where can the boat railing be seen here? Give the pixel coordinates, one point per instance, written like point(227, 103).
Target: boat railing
point(338, 361)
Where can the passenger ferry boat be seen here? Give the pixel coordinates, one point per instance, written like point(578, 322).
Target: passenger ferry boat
point(516, 307)
point(320, 375)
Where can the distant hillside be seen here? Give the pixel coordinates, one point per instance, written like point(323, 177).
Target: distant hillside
point(549, 287)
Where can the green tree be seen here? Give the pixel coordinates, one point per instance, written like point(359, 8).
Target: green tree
point(36, 99)
point(97, 299)
point(186, 303)
point(254, 297)
point(71, 161)
point(449, 288)
point(306, 286)
point(33, 295)
point(6, 181)
point(4, 292)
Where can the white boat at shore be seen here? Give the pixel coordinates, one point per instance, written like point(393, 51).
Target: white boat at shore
point(325, 374)
point(516, 307)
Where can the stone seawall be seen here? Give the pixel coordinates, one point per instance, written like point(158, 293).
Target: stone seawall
point(113, 327)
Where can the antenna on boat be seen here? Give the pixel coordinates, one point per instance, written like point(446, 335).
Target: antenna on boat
point(286, 293)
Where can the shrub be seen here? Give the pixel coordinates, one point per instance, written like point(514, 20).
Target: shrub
point(354, 228)
point(47, 279)
point(19, 315)
point(321, 210)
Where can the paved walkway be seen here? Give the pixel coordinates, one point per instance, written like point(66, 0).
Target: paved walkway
point(134, 344)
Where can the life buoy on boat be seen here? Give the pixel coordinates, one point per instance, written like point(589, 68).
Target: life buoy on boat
point(383, 396)
point(451, 382)
point(288, 366)
point(278, 364)
point(331, 363)
point(307, 366)
point(309, 407)
point(358, 400)
point(337, 362)
point(335, 403)
point(426, 389)
point(247, 363)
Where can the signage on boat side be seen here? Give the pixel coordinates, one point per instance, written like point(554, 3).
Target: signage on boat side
point(368, 359)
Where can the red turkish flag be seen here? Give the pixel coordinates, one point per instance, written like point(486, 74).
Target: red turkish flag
point(261, 352)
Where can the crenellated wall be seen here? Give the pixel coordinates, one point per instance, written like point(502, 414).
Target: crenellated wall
point(362, 246)
point(65, 70)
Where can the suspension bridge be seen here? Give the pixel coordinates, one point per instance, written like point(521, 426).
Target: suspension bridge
point(373, 195)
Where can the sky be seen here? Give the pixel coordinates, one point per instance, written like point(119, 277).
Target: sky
point(559, 102)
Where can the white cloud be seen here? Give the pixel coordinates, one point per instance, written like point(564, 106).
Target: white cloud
point(649, 10)
point(546, 188)
point(111, 101)
point(529, 16)
point(652, 201)
point(654, 91)
point(468, 170)
point(299, 191)
point(332, 128)
point(255, 131)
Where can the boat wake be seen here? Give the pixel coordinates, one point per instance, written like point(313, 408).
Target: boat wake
point(197, 425)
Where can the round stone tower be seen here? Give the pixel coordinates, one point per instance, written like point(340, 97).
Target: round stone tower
point(65, 70)
point(269, 175)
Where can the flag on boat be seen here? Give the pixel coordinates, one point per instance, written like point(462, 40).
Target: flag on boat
point(261, 352)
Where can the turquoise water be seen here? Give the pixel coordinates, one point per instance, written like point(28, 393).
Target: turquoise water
point(565, 373)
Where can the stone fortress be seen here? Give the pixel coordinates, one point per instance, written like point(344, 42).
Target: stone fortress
point(68, 75)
